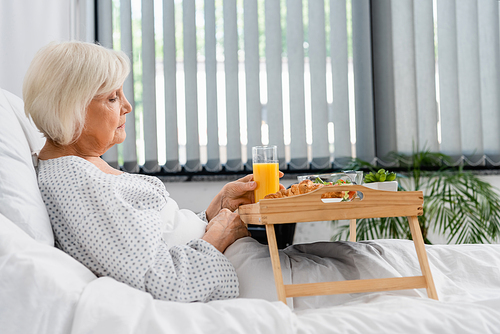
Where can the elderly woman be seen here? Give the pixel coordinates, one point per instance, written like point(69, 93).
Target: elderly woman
point(117, 224)
point(127, 227)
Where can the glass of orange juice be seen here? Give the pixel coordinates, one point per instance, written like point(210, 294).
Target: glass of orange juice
point(265, 170)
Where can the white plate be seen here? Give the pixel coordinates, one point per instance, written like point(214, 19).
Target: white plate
point(331, 200)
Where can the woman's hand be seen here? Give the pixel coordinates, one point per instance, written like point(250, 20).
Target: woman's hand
point(224, 229)
point(234, 194)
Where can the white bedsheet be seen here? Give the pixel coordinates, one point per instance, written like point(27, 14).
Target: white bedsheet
point(467, 279)
point(110, 307)
point(42, 290)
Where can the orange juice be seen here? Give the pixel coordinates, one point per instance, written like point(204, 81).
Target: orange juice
point(267, 177)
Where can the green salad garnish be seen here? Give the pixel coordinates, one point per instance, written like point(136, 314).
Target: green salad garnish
point(338, 182)
point(381, 176)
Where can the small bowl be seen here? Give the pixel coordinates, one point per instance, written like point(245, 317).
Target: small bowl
point(386, 185)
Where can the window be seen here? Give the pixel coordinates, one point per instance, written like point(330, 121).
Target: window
point(325, 80)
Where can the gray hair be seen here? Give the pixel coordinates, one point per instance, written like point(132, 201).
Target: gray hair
point(62, 80)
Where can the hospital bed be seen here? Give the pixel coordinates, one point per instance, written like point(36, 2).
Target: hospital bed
point(43, 290)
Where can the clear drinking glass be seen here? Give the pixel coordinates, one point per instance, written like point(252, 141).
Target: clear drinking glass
point(265, 170)
point(355, 176)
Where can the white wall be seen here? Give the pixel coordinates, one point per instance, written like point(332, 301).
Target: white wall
point(27, 25)
point(197, 195)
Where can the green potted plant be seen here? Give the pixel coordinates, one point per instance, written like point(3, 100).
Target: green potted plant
point(457, 203)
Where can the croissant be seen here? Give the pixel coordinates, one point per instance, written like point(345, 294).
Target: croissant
point(303, 187)
point(333, 194)
point(280, 194)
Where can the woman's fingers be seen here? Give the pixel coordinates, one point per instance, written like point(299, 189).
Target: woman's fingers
point(224, 229)
point(245, 184)
point(246, 178)
point(242, 188)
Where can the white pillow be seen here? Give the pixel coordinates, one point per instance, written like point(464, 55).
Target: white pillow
point(40, 285)
point(20, 198)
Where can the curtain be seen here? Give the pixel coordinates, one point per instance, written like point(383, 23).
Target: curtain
point(325, 80)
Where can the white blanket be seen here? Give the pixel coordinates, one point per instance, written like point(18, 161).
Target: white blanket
point(42, 290)
point(467, 279)
point(110, 307)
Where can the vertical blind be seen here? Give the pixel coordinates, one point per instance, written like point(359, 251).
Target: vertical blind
point(436, 78)
point(325, 80)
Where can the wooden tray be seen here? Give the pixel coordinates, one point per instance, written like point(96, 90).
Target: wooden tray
point(370, 204)
point(309, 207)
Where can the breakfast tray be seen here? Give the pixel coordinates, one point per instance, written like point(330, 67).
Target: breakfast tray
point(369, 203)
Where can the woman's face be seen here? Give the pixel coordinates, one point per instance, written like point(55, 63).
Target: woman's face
point(105, 122)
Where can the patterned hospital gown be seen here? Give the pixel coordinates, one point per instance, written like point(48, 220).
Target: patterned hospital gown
point(111, 224)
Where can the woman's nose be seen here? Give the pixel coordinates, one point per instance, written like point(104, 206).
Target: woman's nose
point(126, 106)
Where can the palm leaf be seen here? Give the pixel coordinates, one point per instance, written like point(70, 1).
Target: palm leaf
point(463, 207)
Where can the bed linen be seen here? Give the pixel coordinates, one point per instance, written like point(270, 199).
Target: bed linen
point(43, 290)
point(20, 199)
point(467, 279)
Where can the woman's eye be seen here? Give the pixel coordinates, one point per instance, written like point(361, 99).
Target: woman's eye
point(113, 99)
